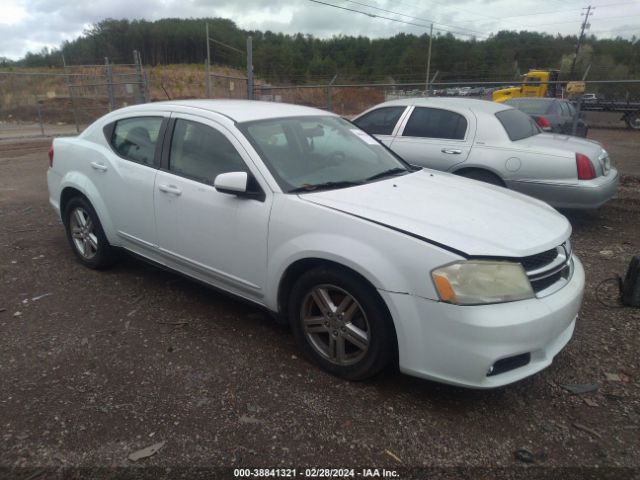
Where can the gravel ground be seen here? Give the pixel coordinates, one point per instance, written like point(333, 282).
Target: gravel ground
point(97, 365)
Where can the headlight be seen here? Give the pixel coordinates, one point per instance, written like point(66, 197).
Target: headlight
point(476, 282)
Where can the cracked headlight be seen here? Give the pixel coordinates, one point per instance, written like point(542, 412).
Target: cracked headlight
point(476, 282)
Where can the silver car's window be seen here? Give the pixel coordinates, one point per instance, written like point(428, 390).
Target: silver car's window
point(313, 151)
point(517, 124)
point(135, 138)
point(435, 123)
point(202, 153)
point(380, 121)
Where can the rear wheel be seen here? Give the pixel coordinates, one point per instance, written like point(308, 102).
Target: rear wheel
point(86, 236)
point(341, 323)
point(482, 176)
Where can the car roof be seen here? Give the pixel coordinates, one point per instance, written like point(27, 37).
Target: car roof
point(240, 110)
point(474, 104)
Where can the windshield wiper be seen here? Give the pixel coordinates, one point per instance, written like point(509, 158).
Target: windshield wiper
point(387, 173)
point(308, 187)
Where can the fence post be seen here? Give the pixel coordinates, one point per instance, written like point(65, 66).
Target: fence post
point(140, 83)
point(109, 75)
point(249, 68)
point(329, 93)
point(73, 102)
point(39, 108)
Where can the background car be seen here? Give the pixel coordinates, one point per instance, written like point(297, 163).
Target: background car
point(494, 143)
point(552, 114)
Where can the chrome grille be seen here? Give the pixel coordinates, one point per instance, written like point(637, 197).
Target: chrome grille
point(549, 271)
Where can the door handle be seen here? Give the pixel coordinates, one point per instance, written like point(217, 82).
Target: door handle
point(171, 189)
point(99, 166)
point(451, 151)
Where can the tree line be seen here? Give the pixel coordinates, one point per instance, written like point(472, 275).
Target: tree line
point(299, 58)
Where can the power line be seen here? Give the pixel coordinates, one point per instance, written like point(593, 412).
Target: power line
point(575, 56)
point(373, 15)
point(410, 16)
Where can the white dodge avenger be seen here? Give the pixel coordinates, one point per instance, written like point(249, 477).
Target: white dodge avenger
point(370, 261)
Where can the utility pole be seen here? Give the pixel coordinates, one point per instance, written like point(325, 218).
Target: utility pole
point(208, 65)
point(249, 68)
point(585, 25)
point(429, 57)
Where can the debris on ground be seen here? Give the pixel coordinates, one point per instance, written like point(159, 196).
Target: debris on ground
point(582, 388)
point(393, 455)
point(584, 428)
point(524, 455)
point(146, 452)
point(35, 299)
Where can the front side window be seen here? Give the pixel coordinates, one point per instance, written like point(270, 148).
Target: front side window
point(202, 153)
point(309, 153)
point(135, 138)
point(381, 121)
point(517, 124)
point(435, 123)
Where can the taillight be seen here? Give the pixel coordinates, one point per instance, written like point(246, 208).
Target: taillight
point(51, 156)
point(544, 123)
point(585, 167)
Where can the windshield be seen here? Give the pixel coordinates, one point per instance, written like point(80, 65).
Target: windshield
point(309, 153)
point(517, 124)
point(530, 106)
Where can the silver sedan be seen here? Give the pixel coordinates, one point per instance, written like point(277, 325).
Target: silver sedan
point(497, 144)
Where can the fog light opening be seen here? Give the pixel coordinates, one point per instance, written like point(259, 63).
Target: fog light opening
point(510, 363)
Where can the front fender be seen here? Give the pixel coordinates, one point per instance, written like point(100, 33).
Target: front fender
point(388, 259)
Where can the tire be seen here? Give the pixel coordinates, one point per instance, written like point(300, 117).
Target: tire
point(482, 176)
point(633, 120)
point(86, 236)
point(348, 332)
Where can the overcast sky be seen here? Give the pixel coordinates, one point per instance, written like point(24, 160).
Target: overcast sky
point(29, 25)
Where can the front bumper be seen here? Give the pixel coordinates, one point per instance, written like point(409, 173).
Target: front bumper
point(458, 345)
point(586, 194)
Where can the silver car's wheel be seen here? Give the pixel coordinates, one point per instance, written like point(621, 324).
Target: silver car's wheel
point(335, 325)
point(84, 237)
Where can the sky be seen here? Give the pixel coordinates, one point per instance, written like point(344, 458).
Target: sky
point(30, 25)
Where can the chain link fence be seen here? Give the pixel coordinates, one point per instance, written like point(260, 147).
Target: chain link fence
point(58, 102)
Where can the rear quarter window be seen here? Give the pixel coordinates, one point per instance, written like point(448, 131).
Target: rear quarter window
point(517, 124)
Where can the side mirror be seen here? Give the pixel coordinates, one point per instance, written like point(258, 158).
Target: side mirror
point(240, 184)
point(233, 183)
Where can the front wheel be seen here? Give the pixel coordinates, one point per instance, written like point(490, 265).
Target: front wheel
point(341, 323)
point(85, 234)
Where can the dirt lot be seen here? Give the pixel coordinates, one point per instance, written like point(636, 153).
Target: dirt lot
point(96, 365)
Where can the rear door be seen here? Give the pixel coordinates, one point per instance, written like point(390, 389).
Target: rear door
point(438, 138)
point(126, 177)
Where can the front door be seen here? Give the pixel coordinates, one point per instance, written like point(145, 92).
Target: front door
point(217, 237)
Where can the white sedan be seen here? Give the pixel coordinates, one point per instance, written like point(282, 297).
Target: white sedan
point(296, 210)
point(497, 144)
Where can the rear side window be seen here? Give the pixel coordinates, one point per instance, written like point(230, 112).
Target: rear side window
point(202, 153)
point(135, 138)
point(381, 121)
point(435, 123)
point(517, 124)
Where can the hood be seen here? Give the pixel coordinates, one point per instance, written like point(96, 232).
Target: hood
point(471, 217)
point(562, 145)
